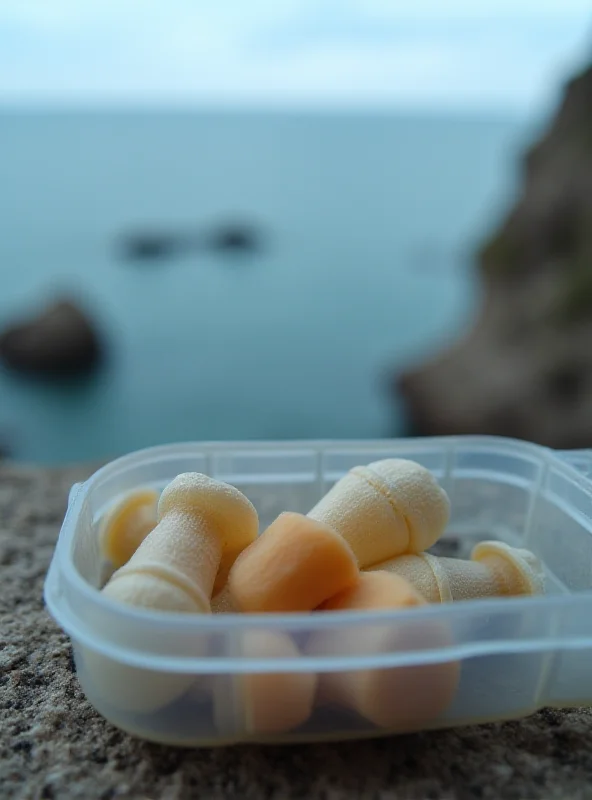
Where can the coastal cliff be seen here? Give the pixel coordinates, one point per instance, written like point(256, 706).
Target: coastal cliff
point(525, 367)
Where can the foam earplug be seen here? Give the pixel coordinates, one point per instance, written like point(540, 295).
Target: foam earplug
point(126, 526)
point(515, 570)
point(388, 508)
point(378, 590)
point(294, 565)
point(174, 568)
point(495, 570)
point(130, 689)
point(398, 698)
point(266, 702)
point(222, 602)
point(226, 562)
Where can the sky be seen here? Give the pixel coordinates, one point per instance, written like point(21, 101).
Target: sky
point(447, 54)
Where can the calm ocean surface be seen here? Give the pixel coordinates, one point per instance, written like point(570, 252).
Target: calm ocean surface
point(369, 222)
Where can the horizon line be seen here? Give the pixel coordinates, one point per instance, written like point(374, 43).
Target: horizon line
point(472, 111)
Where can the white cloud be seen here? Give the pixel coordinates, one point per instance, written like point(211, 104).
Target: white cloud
point(472, 53)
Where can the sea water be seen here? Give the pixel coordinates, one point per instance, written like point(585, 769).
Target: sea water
point(369, 224)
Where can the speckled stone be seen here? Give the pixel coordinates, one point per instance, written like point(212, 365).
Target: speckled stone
point(53, 745)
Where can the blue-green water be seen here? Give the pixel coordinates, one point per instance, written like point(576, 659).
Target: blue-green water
point(369, 220)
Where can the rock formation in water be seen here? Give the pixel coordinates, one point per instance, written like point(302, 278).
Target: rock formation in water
point(59, 342)
point(151, 246)
point(233, 238)
point(525, 368)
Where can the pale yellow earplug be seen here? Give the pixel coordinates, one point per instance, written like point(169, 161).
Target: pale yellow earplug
point(222, 602)
point(388, 508)
point(174, 568)
point(399, 698)
point(495, 570)
point(132, 689)
point(127, 524)
point(294, 565)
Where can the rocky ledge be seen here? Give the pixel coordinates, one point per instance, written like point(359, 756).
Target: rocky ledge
point(525, 367)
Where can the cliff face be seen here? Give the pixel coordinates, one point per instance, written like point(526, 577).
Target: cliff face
point(525, 368)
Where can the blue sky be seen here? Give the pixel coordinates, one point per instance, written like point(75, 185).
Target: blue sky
point(455, 54)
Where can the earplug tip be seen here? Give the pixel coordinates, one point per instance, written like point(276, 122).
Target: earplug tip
point(527, 568)
point(418, 497)
point(127, 524)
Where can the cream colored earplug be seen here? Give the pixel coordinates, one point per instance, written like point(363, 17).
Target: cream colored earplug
point(174, 568)
point(222, 602)
point(133, 689)
point(126, 526)
point(495, 570)
point(388, 508)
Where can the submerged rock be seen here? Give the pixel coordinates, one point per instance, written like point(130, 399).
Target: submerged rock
point(234, 238)
point(525, 368)
point(59, 341)
point(151, 246)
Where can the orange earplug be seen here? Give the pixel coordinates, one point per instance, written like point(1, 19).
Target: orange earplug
point(264, 703)
point(398, 698)
point(294, 565)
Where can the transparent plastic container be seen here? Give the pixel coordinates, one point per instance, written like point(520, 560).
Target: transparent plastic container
point(221, 679)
